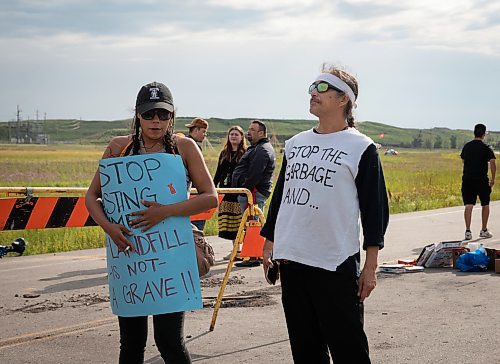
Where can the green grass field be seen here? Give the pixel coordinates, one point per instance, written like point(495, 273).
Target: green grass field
point(424, 180)
point(416, 180)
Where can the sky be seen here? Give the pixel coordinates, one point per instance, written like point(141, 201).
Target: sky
point(419, 63)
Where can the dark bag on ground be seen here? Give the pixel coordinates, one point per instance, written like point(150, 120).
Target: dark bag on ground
point(204, 252)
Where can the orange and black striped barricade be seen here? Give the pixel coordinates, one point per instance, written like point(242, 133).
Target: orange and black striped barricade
point(43, 213)
point(27, 211)
point(33, 212)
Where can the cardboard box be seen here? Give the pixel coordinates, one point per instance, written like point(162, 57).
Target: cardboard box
point(392, 268)
point(442, 255)
point(493, 254)
point(497, 265)
point(413, 268)
point(425, 254)
point(456, 252)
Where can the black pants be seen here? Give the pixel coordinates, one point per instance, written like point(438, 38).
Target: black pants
point(169, 338)
point(323, 314)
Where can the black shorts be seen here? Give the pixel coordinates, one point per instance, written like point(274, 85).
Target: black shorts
point(473, 188)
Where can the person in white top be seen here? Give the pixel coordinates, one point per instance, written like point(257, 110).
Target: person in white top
point(331, 180)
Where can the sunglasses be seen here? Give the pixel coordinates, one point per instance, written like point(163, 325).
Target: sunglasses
point(322, 87)
point(162, 114)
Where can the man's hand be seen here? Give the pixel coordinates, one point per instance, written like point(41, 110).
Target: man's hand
point(368, 278)
point(367, 283)
point(266, 256)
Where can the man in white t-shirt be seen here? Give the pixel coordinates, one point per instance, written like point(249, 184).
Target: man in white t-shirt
point(331, 180)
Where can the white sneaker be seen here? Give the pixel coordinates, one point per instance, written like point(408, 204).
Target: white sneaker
point(468, 235)
point(485, 234)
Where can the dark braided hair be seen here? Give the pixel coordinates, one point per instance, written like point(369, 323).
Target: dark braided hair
point(352, 83)
point(168, 142)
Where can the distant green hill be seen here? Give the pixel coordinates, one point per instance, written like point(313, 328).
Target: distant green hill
point(98, 131)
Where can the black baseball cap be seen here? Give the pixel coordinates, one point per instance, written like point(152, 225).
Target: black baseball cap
point(154, 95)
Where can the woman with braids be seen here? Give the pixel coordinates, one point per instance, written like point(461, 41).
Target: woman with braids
point(230, 213)
point(331, 178)
point(153, 124)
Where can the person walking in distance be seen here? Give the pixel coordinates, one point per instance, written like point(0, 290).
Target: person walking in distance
point(331, 177)
point(475, 157)
point(229, 211)
point(153, 126)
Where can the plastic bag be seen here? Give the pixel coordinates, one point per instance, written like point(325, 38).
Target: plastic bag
point(476, 261)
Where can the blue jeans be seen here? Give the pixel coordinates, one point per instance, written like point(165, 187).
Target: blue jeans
point(260, 200)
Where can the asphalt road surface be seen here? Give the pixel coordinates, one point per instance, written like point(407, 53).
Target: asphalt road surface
point(54, 308)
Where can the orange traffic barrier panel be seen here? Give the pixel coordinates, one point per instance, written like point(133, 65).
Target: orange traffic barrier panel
point(43, 213)
point(205, 215)
point(253, 243)
point(54, 212)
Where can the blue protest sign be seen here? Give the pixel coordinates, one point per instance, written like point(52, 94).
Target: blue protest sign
point(161, 276)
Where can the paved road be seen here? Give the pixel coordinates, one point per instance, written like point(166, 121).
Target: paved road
point(54, 308)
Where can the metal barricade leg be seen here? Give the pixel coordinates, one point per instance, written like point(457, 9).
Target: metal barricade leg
point(252, 210)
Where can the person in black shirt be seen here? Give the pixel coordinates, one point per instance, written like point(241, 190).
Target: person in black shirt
point(475, 156)
point(255, 169)
point(255, 172)
point(229, 217)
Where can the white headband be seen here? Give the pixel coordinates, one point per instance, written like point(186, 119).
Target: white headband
point(338, 83)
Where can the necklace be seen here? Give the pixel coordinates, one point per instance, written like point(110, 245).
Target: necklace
point(147, 149)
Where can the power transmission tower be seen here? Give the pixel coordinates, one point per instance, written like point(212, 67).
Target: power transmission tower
point(18, 124)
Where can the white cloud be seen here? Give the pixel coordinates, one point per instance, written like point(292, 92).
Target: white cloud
point(454, 25)
point(263, 5)
point(248, 58)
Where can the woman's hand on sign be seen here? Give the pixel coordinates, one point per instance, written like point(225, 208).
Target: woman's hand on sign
point(148, 218)
point(117, 233)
